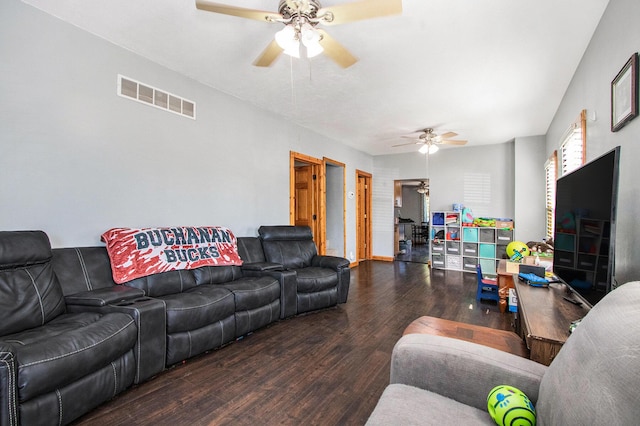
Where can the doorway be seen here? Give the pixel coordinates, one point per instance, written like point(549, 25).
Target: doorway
point(317, 200)
point(411, 224)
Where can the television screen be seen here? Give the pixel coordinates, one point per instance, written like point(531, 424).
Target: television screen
point(584, 236)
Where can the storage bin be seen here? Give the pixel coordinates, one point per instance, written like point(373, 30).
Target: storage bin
point(505, 236)
point(470, 234)
point(437, 219)
point(469, 263)
point(452, 247)
point(487, 250)
point(454, 262)
point(488, 266)
point(437, 248)
point(470, 249)
point(487, 235)
point(437, 260)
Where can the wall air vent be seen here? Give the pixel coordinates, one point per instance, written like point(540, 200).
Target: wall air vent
point(132, 89)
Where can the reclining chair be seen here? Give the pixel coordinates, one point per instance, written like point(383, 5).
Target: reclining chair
point(54, 366)
point(321, 281)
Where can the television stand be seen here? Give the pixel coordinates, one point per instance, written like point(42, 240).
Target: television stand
point(544, 317)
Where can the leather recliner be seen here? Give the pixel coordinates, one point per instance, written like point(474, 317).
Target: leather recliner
point(321, 281)
point(54, 365)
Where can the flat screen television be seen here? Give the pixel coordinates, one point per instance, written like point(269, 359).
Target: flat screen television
point(584, 235)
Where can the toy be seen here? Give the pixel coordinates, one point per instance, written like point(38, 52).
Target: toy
point(517, 250)
point(541, 247)
point(509, 406)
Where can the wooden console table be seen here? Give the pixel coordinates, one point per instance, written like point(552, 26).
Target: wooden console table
point(544, 317)
point(507, 341)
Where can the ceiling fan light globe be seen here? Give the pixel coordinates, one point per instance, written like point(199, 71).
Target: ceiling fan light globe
point(293, 51)
point(424, 149)
point(433, 149)
point(286, 38)
point(313, 49)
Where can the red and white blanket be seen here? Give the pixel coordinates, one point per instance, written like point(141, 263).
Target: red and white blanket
point(139, 252)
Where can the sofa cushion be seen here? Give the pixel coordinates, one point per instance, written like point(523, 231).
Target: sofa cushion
point(216, 274)
point(163, 284)
point(254, 292)
point(313, 279)
point(197, 307)
point(67, 348)
point(407, 405)
point(30, 294)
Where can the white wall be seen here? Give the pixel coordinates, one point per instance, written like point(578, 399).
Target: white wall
point(615, 39)
point(446, 171)
point(76, 159)
point(529, 181)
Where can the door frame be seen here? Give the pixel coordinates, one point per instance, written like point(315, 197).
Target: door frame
point(336, 163)
point(363, 217)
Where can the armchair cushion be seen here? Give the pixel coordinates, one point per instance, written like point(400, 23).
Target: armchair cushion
point(314, 279)
point(408, 405)
point(67, 348)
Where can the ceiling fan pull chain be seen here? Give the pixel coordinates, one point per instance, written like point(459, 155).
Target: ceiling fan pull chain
point(293, 90)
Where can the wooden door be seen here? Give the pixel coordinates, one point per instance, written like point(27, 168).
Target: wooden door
point(363, 219)
point(304, 196)
point(306, 191)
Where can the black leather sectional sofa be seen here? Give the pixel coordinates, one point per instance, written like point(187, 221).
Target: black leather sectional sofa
point(71, 339)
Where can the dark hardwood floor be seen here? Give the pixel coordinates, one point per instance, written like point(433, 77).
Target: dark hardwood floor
point(324, 368)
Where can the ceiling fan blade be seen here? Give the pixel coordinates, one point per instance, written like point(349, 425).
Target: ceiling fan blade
point(449, 142)
point(225, 9)
point(268, 55)
point(360, 10)
point(448, 135)
point(408, 143)
point(337, 52)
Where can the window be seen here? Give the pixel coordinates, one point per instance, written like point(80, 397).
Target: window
point(572, 153)
point(551, 174)
point(573, 148)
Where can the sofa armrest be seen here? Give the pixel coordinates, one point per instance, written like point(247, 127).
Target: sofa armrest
point(332, 262)
point(461, 370)
point(262, 266)
point(104, 296)
point(8, 390)
point(148, 313)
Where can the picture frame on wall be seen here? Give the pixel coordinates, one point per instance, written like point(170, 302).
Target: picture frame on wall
point(624, 94)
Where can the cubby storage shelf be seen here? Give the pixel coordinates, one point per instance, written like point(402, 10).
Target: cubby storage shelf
point(460, 248)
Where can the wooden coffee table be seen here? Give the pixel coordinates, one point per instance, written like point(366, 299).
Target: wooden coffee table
point(499, 339)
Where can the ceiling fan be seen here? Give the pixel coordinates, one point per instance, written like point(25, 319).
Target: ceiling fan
point(430, 140)
point(300, 18)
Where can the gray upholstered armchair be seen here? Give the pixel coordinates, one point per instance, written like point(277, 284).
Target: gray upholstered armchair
point(594, 379)
point(321, 281)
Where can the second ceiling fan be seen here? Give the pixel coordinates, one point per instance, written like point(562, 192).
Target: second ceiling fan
point(300, 18)
point(429, 140)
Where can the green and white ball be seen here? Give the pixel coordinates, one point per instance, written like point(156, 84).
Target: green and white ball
point(509, 406)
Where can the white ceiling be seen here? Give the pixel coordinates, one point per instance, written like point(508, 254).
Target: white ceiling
point(490, 70)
